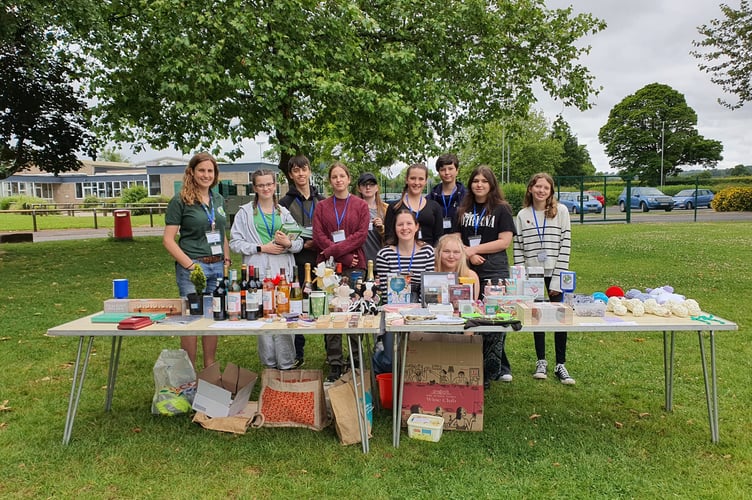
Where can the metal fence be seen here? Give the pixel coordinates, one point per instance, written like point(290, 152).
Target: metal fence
point(82, 209)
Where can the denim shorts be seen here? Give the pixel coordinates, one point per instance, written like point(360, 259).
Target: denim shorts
point(183, 277)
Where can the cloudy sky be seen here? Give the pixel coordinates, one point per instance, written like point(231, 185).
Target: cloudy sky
point(649, 41)
point(646, 41)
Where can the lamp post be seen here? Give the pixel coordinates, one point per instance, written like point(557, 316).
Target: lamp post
point(662, 128)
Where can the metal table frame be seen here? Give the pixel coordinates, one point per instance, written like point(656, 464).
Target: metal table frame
point(84, 329)
point(608, 324)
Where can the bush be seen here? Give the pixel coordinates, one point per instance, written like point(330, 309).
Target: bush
point(733, 199)
point(92, 201)
point(515, 194)
point(134, 194)
point(22, 202)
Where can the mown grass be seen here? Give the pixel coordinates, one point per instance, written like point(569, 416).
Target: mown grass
point(606, 437)
point(21, 222)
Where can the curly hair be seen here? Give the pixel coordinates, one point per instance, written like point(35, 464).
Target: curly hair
point(190, 193)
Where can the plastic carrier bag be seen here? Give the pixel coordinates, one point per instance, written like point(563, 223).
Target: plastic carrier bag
point(174, 383)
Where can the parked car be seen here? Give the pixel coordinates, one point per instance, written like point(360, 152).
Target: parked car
point(576, 203)
point(646, 198)
point(686, 198)
point(597, 195)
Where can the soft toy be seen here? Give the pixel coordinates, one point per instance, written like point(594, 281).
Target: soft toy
point(664, 294)
point(601, 296)
point(614, 291)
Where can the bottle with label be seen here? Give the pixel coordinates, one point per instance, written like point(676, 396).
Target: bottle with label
point(259, 293)
point(233, 297)
point(296, 293)
point(307, 289)
point(250, 296)
point(283, 293)
point(267, 294)
point(219, 299)
point(243, 289)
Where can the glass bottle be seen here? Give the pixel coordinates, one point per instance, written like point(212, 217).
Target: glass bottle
point(283, 293)
point(307, 289)
point(268, 294)
point(296, 293)
point(233, 297)
point(219, 298)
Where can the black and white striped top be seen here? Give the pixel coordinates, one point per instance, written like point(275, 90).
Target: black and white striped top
point(387, 264)
point(533, 238)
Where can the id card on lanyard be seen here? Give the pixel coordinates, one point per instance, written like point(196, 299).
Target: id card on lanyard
point(339, 234)
point(447, 223)
point(474, 240)
point(213, 238)
point(542, 255)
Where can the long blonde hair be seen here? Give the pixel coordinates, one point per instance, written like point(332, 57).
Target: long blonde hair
point(189, 192)
point(462, 268)
point(550, 209)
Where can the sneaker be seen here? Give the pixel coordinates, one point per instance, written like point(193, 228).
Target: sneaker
point(563, 375)
point(335, 372)
point(506, 377)
point(299, 362)
point(486, 384)
point(541, 369)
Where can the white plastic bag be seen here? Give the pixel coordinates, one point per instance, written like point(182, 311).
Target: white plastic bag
point(174, 383)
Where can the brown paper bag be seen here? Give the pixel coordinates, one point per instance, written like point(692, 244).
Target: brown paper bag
point(342, 397)
point(292, 398)
point(237, 424)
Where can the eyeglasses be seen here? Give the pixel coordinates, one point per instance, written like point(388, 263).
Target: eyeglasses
point(265, 186)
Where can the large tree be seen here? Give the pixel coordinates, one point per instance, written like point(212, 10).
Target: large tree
point(526, 143)
point(43, 118)
point(726, 52)
point(367, 81)
point(576, 158)
point(655, 127)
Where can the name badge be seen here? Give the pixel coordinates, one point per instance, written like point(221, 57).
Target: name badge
point(212, 237)
point(447, 223)
point(542, 256)
point(338, 236)
point(216, 249)
point(474, 241)
point(370, 226)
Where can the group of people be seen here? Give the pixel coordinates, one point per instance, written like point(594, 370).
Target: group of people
point(465, 230)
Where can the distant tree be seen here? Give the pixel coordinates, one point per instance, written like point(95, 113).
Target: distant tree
point(655, 120)
point(576, 159)
point(727, 52)
point(739, 170)
point(43, 119)
point(531, 146)
point(110, 154)
point(368, 82)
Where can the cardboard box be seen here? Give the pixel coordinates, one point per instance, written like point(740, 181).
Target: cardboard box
point(444, 378)
point(169, 307)
point(544, 313)
point(223, 394)
point(508, 303)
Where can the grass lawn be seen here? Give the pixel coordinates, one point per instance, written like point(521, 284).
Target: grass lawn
point(19, 222)
point(606, 437)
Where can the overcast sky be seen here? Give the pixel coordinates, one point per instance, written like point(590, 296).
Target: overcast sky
point(649, 41)
point(646, 41)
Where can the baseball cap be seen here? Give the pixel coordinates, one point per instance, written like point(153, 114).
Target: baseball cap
point(366, 177)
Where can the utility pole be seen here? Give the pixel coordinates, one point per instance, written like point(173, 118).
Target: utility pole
point(662, 130)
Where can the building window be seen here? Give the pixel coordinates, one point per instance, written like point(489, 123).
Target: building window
point(105, 189)
point(155, 185)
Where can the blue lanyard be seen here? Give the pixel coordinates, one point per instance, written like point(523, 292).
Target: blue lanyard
point(310, 212)
point(210, 216)
point(537, 229)
point(269, 231)
point(399, 260)
point(416, 212)
point(344, 210)
point(447, 206)
point(476, 220)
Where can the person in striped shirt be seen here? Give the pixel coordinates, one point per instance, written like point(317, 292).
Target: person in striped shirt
point(544, 240)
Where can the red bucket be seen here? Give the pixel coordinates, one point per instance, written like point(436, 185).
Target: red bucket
point(384, 380)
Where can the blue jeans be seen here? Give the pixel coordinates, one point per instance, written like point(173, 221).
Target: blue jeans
point(212, 272)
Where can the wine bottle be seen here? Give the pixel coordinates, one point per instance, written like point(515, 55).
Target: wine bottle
point(259, 293)
point(243, 290)
point(233, 297)
point(296, 293)
point(268, 294)
point(283, 293)
point(250, 296)
point(219, 298)
point(307, 289)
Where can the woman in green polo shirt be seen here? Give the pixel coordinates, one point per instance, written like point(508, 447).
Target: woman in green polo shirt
point(198, 214)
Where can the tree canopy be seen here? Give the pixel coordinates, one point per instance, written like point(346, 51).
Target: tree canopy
point(655, 126)
point(726, 52)
point(43, 118)
point(369, 82)
point(576, 158)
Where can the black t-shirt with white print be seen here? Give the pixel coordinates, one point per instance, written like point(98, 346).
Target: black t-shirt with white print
point(489, 225)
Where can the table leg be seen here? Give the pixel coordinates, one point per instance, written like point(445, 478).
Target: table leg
point(76, 387)
point(112, 373)
point(398, 384)
point(668, 369)
point(359, 389)
point(711, 387)
point(396, 339)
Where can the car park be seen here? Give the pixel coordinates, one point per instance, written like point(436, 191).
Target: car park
point(597, 195)
point(579, 203)
point(686, 198)
point(646, 199)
